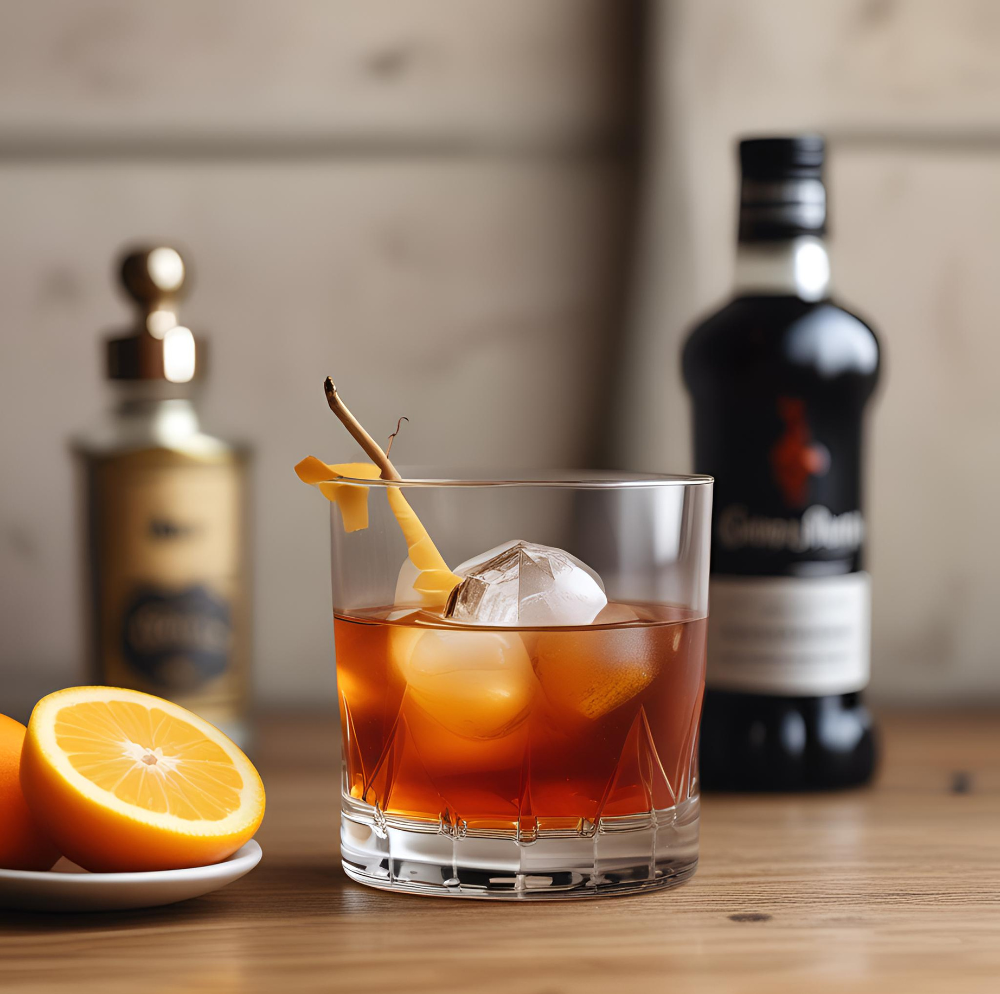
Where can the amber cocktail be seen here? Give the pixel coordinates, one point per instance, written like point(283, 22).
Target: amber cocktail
point(520, 733)
point(522, 723)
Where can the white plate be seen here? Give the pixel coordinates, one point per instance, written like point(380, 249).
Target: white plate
point(68, 888)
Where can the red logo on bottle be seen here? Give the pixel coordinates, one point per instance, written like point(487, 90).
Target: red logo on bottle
point(795, 457)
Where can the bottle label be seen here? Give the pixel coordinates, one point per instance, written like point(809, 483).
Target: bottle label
point(792, 636)
point(167, 555)
point(177, 639)
point(818, 529)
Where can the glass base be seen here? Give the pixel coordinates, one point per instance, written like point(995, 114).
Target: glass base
point(617, 856)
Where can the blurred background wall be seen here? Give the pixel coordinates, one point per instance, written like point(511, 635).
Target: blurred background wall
point(908, 93)
point(428, 199)
point(442, 203)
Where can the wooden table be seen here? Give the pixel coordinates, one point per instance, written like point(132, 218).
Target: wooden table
point(894, 888)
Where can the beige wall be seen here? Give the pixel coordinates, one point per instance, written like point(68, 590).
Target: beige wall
point(427, 199)
point(430, 199)
point(909, 94)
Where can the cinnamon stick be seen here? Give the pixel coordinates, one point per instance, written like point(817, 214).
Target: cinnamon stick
point(372, 449)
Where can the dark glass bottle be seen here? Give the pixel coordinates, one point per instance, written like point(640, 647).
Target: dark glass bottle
point(779, 379)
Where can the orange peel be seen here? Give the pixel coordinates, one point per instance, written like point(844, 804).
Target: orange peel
point(435, 581)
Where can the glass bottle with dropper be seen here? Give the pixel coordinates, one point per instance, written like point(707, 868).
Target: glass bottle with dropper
point(166, 517)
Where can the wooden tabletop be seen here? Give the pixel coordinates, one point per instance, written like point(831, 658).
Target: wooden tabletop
point(893, 888)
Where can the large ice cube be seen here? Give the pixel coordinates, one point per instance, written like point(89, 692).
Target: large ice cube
point(406, 594)
point(586, 674)
point(521, 584)
point(477, 684)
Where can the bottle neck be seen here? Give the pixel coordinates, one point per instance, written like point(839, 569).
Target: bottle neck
point(165, 411)
point(798, 267)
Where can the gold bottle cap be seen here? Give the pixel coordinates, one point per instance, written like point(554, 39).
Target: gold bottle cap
point(159, 347)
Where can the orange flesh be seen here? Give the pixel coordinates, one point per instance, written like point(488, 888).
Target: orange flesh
point(149, 758)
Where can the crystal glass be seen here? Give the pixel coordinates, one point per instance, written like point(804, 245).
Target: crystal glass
point(487, 756)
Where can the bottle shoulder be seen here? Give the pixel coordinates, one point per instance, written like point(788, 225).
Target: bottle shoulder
point(202, 448)
point(159, 428)
point(823, 336)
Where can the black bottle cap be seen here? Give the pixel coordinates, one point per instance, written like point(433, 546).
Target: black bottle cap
point(782, 193)
point(775, 159)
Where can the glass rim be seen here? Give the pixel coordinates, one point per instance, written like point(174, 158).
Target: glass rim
point(573, 479)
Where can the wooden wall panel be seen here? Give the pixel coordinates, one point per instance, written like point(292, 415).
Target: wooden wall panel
point(473, 297)
point(142, 73)
point(876, 67)
point(918, 246)
point(426, 198)
point(909, 95)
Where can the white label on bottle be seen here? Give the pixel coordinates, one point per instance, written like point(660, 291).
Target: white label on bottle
point(789, 635)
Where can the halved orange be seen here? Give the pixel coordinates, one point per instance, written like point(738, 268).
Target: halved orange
point(121, 780)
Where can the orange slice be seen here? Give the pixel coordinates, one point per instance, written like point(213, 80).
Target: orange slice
point(121, 780)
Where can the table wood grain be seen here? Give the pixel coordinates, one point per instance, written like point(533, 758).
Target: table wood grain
point(891, 888)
